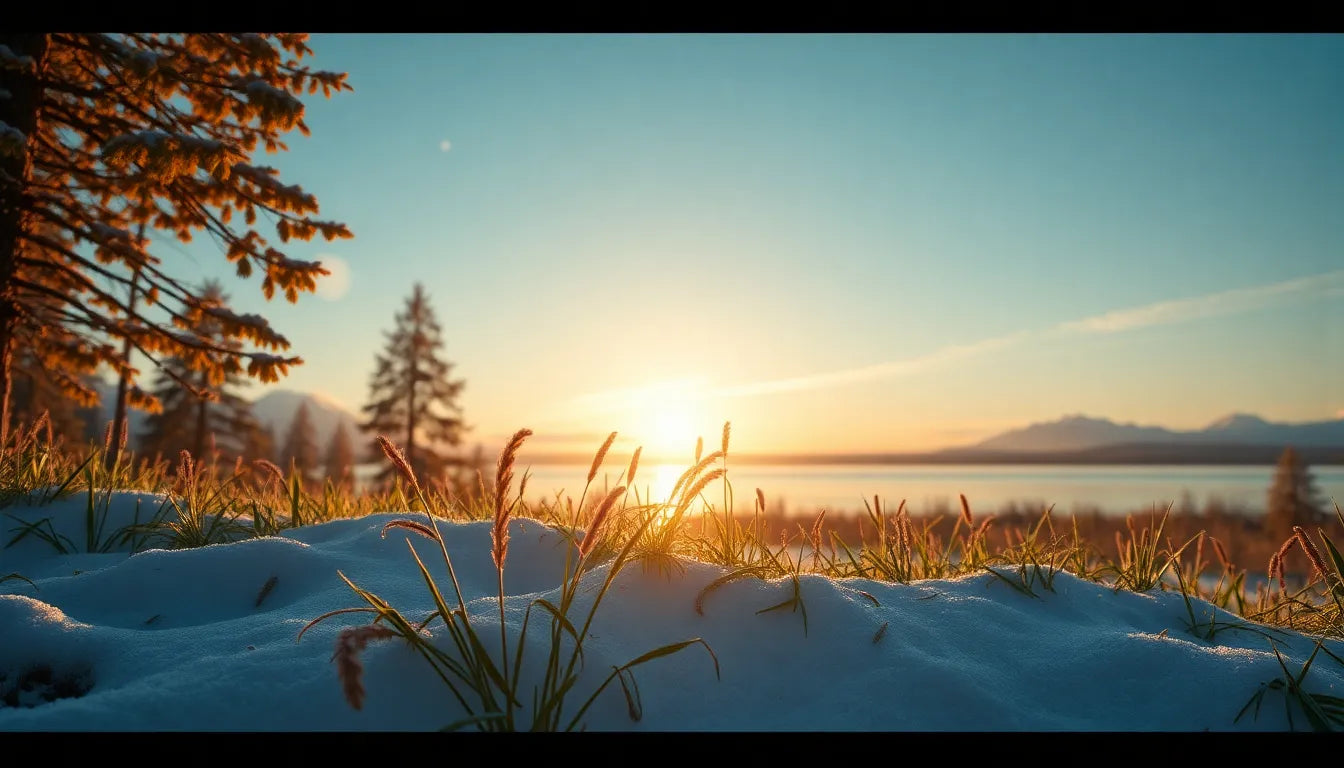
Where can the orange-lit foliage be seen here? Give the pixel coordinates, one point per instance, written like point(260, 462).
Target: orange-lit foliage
point(105, 137)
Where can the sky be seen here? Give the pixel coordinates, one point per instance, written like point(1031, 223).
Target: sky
point(154, 640)
point(838, 242)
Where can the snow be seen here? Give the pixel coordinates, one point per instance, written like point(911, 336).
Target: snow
point(152, 138)
point(249, 319)
point(142, 62)
point(8, 59)
point(261, 92)
point(264, 177)
point(263, 358)
point(10, 134)
point(107, 234)
point(130, 636)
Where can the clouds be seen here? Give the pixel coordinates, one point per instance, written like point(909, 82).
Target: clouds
point(445, 145)
point(886, 370)
point(1213, 305)
point(1310, 288)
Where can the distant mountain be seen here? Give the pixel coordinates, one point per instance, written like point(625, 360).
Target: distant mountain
point(276, 409)
point(1228, 454)
point(1076, 433)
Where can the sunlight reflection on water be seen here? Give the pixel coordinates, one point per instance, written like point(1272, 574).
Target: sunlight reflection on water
point(803, 489)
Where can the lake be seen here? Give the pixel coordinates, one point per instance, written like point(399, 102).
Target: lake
point(803, 489)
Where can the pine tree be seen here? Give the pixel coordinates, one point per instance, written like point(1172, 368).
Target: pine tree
point(411, 397)
point(36, 392)
point(38, 388)
point(261, 444)
point(102, 135)
point(300, 449)
point(1293, 499)
point(340, 456)
point(208, 416)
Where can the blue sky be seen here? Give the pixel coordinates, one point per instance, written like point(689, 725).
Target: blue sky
point(837, 242)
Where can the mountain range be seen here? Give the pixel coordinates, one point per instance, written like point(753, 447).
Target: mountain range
point(275, 409)
point(1076, 433)
point(1238, 438)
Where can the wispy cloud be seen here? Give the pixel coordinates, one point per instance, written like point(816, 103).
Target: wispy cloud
point(445, 145)
point(1328, 284)
point(886, 370)
point(1213, 305)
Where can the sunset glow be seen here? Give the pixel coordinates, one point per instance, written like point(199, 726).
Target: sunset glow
point(857, 243)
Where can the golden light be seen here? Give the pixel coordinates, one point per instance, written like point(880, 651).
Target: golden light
point(668, 420)
point(672, 430)
point(665, 419)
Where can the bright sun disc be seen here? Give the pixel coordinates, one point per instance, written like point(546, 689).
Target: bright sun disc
point(669, 420)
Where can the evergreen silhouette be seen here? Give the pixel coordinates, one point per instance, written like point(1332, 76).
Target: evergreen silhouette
point(340, 460)
point(1293, 499)
point(300, 449)
point(103, 136)
point(210, 416)
point(412, 399)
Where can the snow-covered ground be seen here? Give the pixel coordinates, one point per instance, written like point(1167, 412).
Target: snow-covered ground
point(186, 640)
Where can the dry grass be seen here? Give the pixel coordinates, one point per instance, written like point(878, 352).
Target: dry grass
point(349, 644)
point(1222, 556)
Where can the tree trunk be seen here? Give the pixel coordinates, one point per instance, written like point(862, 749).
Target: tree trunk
point(410, 426)
point(124, 378)
point(123, 386)
point(202, 408)
point(18, 110)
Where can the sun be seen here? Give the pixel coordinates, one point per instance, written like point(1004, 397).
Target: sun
point(668, 419)
point(672, 429)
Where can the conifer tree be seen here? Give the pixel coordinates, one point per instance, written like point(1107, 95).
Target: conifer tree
point(273, 441)
point(210, 414)
point(300, 449)
point(1292, 497)
point(412, 399)
point(35, 393)
point(340, 455)
point(101, 134)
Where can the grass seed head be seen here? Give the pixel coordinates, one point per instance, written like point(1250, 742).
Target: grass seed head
point(700, 484)
point(600, 455)
point(499, 532)
point(349, 644)
point(43, 424)
point(1309, 549)
point(186, 473)
point(270, 469)
point(634, 466)
point(591, 536)
point(398, 460)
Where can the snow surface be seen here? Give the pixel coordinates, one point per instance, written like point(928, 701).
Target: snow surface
point(160, 640)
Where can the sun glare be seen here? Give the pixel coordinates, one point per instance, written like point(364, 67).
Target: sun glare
point(672, 430)
point(665, 418)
